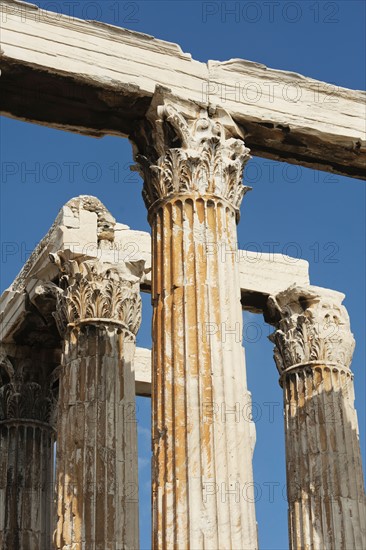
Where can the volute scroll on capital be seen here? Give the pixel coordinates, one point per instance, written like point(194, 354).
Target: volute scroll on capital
point(94, 291)
point(312, 326)
point(186, 149)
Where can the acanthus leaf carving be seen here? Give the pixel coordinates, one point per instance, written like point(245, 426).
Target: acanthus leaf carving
point(95, 290)
point(21, 397)
point(311, 325)
point(192, 155)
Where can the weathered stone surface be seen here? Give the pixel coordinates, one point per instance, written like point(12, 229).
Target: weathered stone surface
point(99, 313)
point(117, 71)
point(261, 274)
point(142, 370)
point(93, 295)
point(27, 435)
point(201, 445)
point(313, 352)
point(27, 307)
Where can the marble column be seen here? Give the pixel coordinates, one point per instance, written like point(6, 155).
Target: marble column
point(313, 351)
point(99, 314)
point(26, 454)
point(192, 164)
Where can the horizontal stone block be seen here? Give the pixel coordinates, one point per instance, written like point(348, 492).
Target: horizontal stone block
point(293, 118)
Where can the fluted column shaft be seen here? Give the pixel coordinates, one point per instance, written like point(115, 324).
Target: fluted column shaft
point(96, 448)
point(26, 462)
point(202, 458)
point(325, 488)
point(202, 471)
point(97, 471)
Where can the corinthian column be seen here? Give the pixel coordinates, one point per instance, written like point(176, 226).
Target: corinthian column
point(26, 454)
point(314, 348)
point(192, 166)
point(97, 476)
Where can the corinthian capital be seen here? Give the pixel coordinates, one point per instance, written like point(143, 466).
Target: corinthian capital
point(312, 326)
point(94, 291)
point(184, 149)
point(24, 393)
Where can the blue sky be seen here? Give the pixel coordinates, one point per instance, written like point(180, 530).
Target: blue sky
point(312, 215)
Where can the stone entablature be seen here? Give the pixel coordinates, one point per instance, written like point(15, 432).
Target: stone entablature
point(108, 98)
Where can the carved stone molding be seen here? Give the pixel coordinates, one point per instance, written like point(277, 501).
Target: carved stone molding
point(95, 291)
point(22, 396)
point(312, 326)
point(193, 153)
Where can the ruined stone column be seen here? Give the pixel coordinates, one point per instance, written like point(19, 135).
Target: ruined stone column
point(192, 166)
point(97, 467)
point(26, 455)
point(314, 348)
